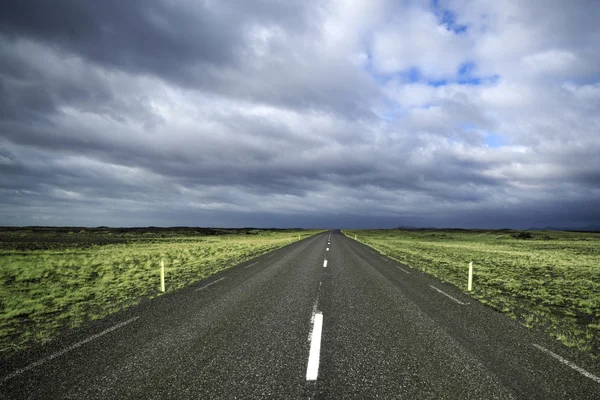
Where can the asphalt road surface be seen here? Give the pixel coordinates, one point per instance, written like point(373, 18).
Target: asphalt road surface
point(325, 317)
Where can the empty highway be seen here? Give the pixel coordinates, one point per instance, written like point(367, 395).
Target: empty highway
point(325, 317)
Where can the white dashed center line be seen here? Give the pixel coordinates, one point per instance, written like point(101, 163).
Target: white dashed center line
point(324, 263)
point(327, 249)
point(569, 364)
point(384, 259)
point(312, 370)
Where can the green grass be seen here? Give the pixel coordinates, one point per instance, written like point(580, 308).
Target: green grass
point(550, 281)
point(56, 279)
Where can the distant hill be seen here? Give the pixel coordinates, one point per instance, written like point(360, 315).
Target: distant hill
point(588, 228)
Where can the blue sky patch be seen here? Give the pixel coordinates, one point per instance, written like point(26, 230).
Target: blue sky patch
point(466, 75)
point(440, 82)
point(466, 69)
point(414, 75)
point(447, 18)
point(494, 140)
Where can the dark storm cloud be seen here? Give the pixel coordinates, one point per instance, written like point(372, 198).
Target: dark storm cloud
point(138, 35)
point(194, 44)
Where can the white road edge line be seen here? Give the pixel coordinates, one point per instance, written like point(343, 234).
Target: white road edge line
point(568, 363)
point(212, 283)
point(402, 269)
point(66, 350)
point(312, 369)
point(384, 259)
point(254, 263)
point(448, 296)
point(324, 263)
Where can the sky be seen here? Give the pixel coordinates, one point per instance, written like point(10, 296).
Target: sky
point(311, 113)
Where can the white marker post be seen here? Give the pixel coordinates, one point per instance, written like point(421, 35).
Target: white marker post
point(162, 276)
point(470, 284)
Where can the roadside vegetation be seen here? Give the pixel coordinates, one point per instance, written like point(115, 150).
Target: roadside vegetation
point(57, 278)
point(545, 279)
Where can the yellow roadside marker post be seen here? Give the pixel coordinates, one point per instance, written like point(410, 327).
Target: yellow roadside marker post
point(162, 276)
point(470, 282)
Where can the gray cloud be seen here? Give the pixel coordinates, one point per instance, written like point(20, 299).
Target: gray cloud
point(139, 36)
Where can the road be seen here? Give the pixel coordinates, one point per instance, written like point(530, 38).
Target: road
point(290, 325)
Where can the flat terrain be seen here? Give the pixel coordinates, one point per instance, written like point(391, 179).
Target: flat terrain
point(548, 280)
point(325, 317)
point(57, 278)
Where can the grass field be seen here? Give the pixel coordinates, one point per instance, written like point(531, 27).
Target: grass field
point(550, 280)
point(56, 278)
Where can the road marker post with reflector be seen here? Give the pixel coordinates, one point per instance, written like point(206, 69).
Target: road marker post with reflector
point(162, 276)
point(470, 282)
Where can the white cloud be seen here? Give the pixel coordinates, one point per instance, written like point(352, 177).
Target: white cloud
point(415, 39)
